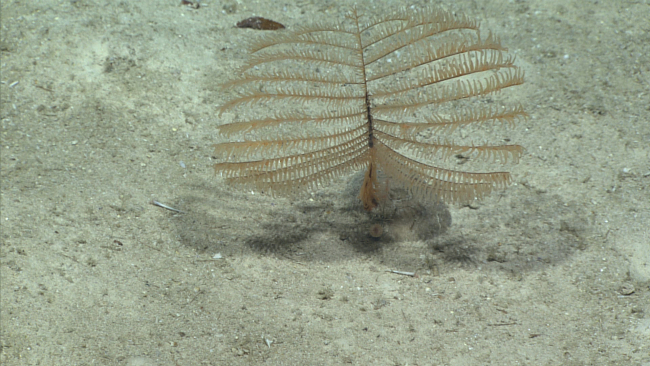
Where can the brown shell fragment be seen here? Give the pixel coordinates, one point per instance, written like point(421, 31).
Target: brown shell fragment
point(259, 23)
point(191, 4)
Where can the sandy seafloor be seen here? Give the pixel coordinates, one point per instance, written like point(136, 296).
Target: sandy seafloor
point(107, 105)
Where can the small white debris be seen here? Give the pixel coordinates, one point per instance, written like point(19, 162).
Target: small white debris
point(217, 256)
